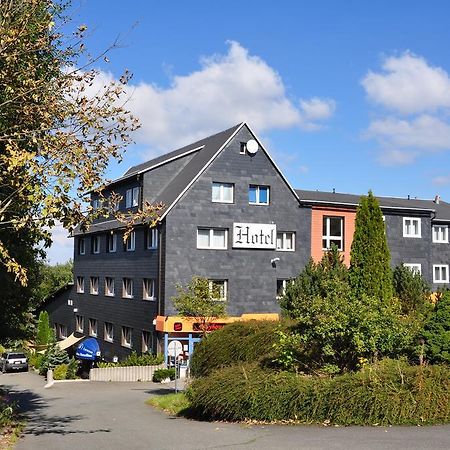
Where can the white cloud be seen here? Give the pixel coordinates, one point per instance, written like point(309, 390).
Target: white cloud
point(416, 104)
point(441, 180)
point(225, 90)
point(408, 85)
point(62, 247)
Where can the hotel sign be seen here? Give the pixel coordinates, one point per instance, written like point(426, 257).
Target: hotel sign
point(254, 235)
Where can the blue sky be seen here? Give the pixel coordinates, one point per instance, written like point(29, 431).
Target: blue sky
point(347, 95)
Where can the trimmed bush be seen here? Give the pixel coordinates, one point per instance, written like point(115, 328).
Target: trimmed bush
point(236, 342)
point(60, 372)
point(162, 374)
point(146, 359)
point(391, 392)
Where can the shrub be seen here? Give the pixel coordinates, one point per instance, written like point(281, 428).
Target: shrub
point(45, 333)
point(35, 360)
point(437, 332)
point(53, 356)
point(146, 359)
point(236, 342)
point(390, 392)
point(7, 410)
point(60, 372)
point(162, 374)
point(72, 369)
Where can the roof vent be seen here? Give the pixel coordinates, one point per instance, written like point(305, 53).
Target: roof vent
point(437, 199)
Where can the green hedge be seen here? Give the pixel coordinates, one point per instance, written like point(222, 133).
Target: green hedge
point(162, 374)
point(236, 342)
point(146, 359)
point(391, 392)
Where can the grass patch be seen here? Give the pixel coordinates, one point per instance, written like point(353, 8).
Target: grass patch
point(172, 403)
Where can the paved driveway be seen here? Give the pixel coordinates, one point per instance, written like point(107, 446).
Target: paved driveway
point(97, 416)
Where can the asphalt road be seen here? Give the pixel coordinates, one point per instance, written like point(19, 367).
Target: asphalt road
point(97, 416)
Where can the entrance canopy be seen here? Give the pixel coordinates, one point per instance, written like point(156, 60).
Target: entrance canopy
point(88, 350)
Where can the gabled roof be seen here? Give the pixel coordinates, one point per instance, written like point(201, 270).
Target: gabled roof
point(441, 210)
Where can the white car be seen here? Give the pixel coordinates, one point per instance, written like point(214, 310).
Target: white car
point(13, 361)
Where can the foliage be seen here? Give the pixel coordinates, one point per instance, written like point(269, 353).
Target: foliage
point(236, 342)
point(172, 403)
point(45, 333)
point(146, 359)
point(60, 372)
point(35, 360)
point(161, 374)
point(412, 290)
point(7, 410)
point(66, 371)
point(199, 301)
point(53, 356)
point(52, 278)
point(390, 392)
point(72, 369)
point(327, 278)
point(370, 271)
point(437, 332)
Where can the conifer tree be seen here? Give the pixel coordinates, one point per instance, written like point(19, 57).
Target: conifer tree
point(370, 271)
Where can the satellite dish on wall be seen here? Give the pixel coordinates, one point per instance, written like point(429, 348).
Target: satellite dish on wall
point(252, 146)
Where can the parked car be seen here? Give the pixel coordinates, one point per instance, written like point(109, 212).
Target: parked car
point(13, 361)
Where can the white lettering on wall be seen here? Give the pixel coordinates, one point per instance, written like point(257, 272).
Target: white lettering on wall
point(254, 235)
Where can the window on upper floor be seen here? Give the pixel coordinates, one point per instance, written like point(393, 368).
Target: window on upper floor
point(218, 289)
point(112, 242)
point(132, 197)
point(258, 195)
point(93, 327)
point(96, 244)
point(414, 267)
point(286, 241)
point(96, 203)
point(151, 240)
point(79, 323)
point(222, 192)
point(333, 232)
point(440, 273)
point(130, 243)
point(81, 246)
point(126, 337)
point(80, 285)
point(440, 234)
point(93, 285)
point(127, 288)
point(243, 148)
point(212, 238)
point(412, 227)
point(108, 332)
point(148, 289)
point(109, 287)
point(147, 341)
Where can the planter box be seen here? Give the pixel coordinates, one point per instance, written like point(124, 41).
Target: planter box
point(131, 373)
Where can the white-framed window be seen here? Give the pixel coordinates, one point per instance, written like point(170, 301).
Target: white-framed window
point(414, 267)
point(440, 234)
point(80, 285)
point(70, 302)
point(96, 203)
point(108, 332)
point(96, 244)
point(132, 197)
point(130, 243)
point(62, 331)
point(333, 232)
point(412, 227)
point(212, 238)
point(258, 195)
point(219, 289)
point(282, 284)
point(79, 323)
point(127, 288)
point(148, 289)
point(93, 285)
point(440, 273)
point(286, 241)
point(222, 192)
point(93, 324)
point(81, 246)
point(109, 287)
point(147, 341)
point(112, 243)
point(152, 238)
point(125, 339)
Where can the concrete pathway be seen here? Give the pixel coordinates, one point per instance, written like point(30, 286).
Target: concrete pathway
point(110, 416)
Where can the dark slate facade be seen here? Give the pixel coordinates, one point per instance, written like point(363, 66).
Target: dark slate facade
point(182, 180)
